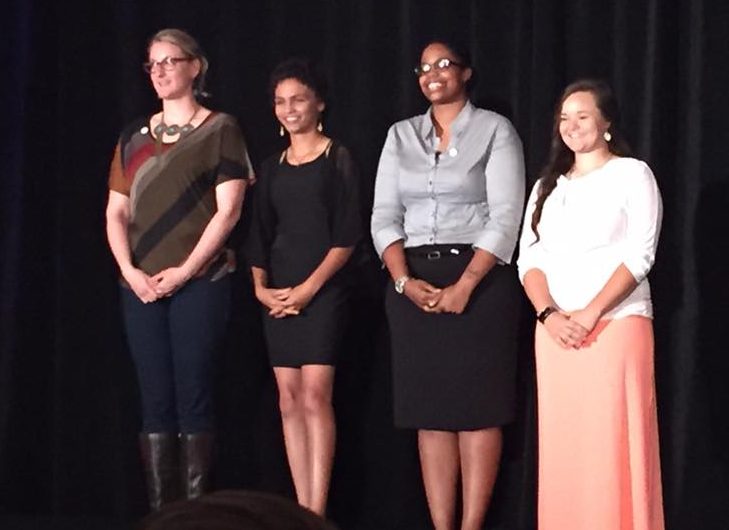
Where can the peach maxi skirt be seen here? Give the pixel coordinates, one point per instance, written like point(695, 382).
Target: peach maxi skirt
point(599, 465)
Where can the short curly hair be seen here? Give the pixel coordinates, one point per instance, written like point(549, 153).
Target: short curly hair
point(305, 71)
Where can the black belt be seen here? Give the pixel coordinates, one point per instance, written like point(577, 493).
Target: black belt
point(433, 252)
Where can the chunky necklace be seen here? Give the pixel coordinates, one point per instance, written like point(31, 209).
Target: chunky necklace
point(174, 129)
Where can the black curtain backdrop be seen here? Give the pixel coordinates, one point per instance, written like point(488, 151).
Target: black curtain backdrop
point(69, 409)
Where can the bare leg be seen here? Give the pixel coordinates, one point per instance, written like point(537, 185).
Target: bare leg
point(439, 462)
point(318, 381)
point(480, 455)
point(291, 404)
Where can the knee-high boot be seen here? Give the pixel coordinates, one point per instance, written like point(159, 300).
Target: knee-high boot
point(161, 467)
point(196, 455)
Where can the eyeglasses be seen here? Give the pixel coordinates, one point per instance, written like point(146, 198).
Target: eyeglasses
point(167, 64)
point(440, 64)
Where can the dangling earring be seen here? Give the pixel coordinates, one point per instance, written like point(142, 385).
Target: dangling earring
point(607, 136)
point(319, 126)
point(281, 131)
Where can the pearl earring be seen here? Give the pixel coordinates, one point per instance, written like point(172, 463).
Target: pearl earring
point(319, 126)
point(281, 131)
point(607, 136)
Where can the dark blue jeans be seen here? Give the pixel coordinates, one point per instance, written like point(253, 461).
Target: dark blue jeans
point(173, 343)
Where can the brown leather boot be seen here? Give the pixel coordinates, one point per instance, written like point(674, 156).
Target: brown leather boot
point(196, 455)
point(161, 467)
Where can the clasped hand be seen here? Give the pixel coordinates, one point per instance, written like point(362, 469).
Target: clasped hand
point(286, 301)
point(451, 299)
point(151, 288)
point(571, 330)
point(168, 281)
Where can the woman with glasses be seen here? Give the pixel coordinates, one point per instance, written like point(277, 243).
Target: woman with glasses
point(305, 225)
point(590, 235)
point(448, 201)
point(176, 182)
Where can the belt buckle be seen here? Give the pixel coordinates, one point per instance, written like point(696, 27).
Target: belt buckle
point(433, 255)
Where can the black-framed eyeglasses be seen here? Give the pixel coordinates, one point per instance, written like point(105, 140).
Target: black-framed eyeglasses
point(440, 64)
point(166, 64)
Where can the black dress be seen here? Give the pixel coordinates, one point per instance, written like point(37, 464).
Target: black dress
point(300, 213)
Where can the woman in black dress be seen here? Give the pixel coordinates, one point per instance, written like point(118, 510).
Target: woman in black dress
point(306, 223)
point(448, 201)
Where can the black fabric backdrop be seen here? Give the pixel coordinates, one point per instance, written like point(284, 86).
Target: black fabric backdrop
point(68, 397)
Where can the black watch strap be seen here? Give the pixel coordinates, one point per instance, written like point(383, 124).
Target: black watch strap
point(542, 316)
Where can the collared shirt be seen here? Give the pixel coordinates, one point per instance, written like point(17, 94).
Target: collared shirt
point(590, 225)
point(472, 193)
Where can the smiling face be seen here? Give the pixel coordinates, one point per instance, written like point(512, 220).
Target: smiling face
point(443, 85)
point(176, 82)
point(296, 106)
point(581, 124)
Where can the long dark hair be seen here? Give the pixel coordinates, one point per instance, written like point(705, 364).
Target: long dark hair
point(561, 157)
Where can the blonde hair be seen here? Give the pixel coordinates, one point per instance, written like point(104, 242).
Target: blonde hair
point(189, 47)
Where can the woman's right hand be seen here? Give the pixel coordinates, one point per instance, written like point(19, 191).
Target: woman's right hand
point(142, 284)
point(421, 293)
point(273, 300)
point(565, 332)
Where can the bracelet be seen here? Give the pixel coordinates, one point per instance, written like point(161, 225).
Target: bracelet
point(542, 316)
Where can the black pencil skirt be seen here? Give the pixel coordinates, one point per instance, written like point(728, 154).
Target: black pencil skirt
point(454, 372)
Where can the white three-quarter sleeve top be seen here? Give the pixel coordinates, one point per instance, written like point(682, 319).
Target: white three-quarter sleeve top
point(590, 225)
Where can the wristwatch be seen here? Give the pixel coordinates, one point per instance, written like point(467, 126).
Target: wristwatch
point(400, 284)
point(542, 316)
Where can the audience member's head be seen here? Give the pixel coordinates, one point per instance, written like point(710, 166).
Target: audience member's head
point(235, 510)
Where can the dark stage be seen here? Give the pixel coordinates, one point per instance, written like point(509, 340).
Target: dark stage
point(69, 406)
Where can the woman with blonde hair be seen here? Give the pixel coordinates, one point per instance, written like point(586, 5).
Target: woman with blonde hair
point(176, 184)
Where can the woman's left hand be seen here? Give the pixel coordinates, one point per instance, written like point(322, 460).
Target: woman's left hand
point(169, 280)
point(452, 299)
point(299, 297)
point(587, 318)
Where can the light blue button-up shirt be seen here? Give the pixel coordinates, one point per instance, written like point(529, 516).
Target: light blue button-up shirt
point(472, 193)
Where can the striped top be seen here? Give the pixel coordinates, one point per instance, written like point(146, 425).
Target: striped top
point(172, 193)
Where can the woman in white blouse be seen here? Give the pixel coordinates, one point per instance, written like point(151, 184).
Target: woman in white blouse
point(589, 239)
point(448, 201)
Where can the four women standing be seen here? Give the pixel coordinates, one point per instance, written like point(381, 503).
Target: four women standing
point(448, 200)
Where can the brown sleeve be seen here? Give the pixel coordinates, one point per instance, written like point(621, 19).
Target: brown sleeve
point(234, 160)
point(117, 181)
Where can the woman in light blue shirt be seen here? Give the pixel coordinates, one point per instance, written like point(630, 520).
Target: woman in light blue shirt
point(448, 201)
